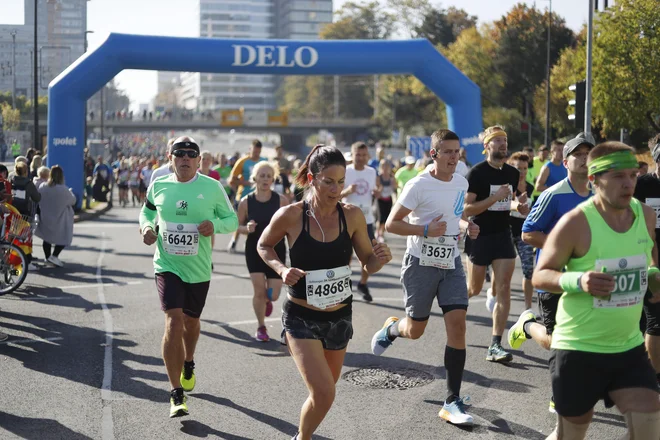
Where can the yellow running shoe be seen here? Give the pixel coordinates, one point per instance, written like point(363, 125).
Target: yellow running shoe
point(188, 376)
point(517, 334)
point(178, 407)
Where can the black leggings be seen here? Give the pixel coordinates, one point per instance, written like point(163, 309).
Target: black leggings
point(57, 251)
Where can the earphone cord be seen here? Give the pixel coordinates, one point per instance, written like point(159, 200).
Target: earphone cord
point(311, 214)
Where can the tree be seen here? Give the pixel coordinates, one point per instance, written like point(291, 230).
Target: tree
point(11, 118)
point(473, 53)
point(626, 85)
point(314, 96)
point(521, 38)
point(443, 26)
point(411, 13)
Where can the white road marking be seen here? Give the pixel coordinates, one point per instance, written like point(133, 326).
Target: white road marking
point(12, 342)
point(106, 388)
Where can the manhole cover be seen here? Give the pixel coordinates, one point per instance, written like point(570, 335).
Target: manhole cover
point(388, 378)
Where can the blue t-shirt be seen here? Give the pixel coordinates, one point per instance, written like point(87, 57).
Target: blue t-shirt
point(557, 173)
point(551, 205)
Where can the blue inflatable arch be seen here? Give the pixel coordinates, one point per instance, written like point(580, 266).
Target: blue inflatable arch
point(68, 93)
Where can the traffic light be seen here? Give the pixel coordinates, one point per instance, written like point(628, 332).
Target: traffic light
point(580, 90)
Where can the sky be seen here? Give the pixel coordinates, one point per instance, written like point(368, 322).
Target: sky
point(171, 18)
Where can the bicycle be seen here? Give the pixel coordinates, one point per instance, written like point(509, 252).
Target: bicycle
point(16, 229)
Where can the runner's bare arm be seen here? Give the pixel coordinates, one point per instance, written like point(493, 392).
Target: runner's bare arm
point(368, 252)
point(650, 217)
point(558, 249)
point(242, 217)
point(396, 223)
point(535, 238)
point(542, 179)
point(472, 207)
point(276, 230)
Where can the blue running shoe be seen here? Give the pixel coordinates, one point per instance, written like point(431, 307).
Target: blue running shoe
point(381, 342)
point(454, 412)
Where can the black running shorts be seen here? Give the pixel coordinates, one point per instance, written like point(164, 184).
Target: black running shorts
point(487, 248)
point(176, 294)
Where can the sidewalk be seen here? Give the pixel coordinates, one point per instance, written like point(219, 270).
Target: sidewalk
point(89, 214)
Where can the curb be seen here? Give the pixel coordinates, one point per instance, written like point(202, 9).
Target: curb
point(92, 214)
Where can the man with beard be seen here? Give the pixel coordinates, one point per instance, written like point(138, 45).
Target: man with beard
point(489, 201)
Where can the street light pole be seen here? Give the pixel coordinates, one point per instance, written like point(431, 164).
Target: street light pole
point(13, 69)
point(35, 85)
point(590, 38)
point(547, 81)
point(86, 109)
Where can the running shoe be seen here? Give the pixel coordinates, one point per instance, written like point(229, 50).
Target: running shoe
point(498, 354)
point(33, 266)
point(269, 308)
point(381, 342)
point(178, 407)
point(262, 334)
point(56, 261)
point(364, 290)
point(232, 247)
point(551, 407)
point(188, 378)
point(490, 300)
point(455, 413)
point(517, 335)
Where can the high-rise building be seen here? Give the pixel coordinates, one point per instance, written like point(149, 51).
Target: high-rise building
point(62, 26)
point(259, 19)
point(168, 81)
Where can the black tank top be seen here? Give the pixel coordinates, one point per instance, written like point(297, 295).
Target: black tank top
point(309, 254)
point(262, 213)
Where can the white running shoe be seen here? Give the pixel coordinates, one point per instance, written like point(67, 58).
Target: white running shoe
point(33, 266)
point(490, 300)
point(56, 261)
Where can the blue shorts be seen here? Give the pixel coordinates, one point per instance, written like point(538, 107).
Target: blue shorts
point(423, 284)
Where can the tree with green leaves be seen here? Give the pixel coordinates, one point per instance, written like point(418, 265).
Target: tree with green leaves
point(11, 117)
point(443, 26)
point(521, 37)
point(626, 84)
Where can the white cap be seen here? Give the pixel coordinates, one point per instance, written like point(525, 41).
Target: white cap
point(409, 160)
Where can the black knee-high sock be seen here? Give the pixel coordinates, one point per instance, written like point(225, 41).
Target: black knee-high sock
point(454, 364)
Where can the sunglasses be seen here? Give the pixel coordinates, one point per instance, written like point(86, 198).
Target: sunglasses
point(190, 153)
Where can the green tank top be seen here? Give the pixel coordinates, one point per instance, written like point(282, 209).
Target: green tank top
point(586, 323)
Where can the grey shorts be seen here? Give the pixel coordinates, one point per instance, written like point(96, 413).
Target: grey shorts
point(333, 329)
point(423, 284)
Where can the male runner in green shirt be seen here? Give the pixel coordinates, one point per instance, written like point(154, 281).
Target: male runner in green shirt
point(607, 247)
point(191, 208)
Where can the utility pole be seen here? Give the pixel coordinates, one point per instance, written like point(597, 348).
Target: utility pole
point(547, 81)
point(590, 38)
point(102, 112)
point(336, 100)
point(36, 143)
point(13, 69)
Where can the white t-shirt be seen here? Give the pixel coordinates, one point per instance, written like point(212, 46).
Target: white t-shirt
point(362, 197)
point(160, 172)
point(427, 198)
point(461, 168)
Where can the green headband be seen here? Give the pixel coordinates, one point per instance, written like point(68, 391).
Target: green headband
point(620, 160)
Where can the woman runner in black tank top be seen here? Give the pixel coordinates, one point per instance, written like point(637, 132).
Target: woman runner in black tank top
point(254, 213)
point(322, 234)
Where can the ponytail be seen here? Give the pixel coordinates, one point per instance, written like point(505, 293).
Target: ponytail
point(316, 161)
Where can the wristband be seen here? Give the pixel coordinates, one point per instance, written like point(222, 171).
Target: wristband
point(426, 231)
point(651, 271)
point(570, 282)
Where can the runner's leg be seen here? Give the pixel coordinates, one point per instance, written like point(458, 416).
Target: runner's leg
point(259, 299)
point(503, 270)
point(320, 371)
point(191, 329)
point(172, 346)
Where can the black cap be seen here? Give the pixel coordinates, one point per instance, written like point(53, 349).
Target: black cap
point(580, 139)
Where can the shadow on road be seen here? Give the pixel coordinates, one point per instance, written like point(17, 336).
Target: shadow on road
point(197, 429)
point(279, 424)
point(76, 356)
point(241, 337)
point(34, 429)
point(64, 299)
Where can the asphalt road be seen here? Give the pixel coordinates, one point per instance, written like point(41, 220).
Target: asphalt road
point(83, 360)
